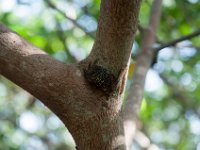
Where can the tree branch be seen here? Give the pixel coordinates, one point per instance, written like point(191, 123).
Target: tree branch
point(31, 68)
point(51, 81)
point(117, 26)
point(143, 62)
point(70, 19)
point(64, 89)
point(174, 42)
point(56, 85)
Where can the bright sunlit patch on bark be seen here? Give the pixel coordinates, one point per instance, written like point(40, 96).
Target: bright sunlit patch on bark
point(13, 37)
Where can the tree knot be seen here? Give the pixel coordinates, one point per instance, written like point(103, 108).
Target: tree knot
point(101, 77)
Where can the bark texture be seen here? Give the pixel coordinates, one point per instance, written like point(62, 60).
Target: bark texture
point(115, 34)
point(91, 115)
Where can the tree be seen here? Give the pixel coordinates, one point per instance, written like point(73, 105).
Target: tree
point(95, 110)
point(87, 95)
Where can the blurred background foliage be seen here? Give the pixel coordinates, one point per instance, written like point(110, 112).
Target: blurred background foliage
point(170, 114)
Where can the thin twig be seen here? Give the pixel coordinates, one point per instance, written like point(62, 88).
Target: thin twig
point(70, 19)
point(174, 42)
point(171, 43)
